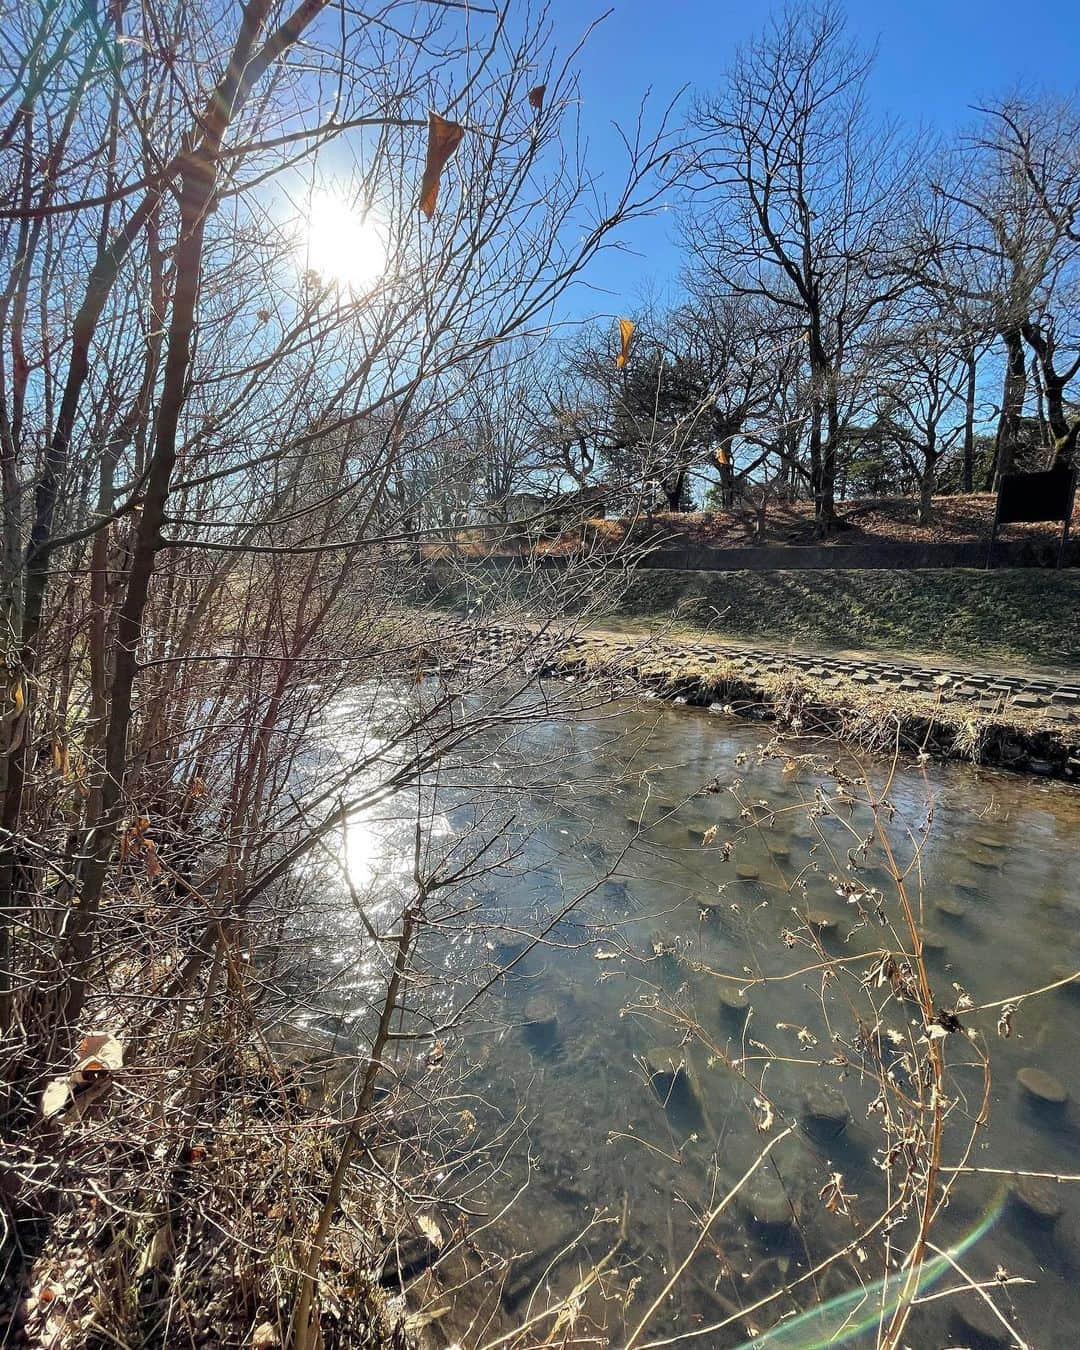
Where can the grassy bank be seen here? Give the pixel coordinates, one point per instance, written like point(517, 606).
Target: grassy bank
point(1021, 615)
point(914, 723)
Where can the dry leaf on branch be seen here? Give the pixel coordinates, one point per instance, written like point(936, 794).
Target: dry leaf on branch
point(626, 334)
point(98, 1057)
point(443, 139)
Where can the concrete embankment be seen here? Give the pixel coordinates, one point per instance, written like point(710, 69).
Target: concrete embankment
point(872, 706)
point(882, 707)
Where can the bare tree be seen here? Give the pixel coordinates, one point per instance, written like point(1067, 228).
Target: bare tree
point(798, 197)
point(924, 384)
point(205, 423)
point(1016, 182)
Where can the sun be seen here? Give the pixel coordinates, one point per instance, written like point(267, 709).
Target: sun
point(344, 244)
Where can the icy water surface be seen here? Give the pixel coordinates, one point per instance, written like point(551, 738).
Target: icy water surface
point(683, 1015)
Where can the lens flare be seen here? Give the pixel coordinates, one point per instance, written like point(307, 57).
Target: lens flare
point(843, 1318)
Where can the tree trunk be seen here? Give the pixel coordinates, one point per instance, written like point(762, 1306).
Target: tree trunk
point(726, 471)
point(926, 487)
point(675, 490)
point(1014, 391)
point(968, 483)
point(824, 426)
point(1059, 434)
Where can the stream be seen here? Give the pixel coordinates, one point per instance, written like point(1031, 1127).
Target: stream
point(626, 1073)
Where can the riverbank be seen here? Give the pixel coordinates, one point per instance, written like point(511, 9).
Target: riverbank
point(876, 719)
point(1010, 617)
point(1016, 616)
point(855, 706)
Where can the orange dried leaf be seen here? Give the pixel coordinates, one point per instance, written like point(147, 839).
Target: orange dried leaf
point(99, 1053)
point(153, 862)
point(443, 139)
point(536, 96)
point(626, 333)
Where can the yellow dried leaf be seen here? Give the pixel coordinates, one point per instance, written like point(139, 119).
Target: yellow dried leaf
point(153, 862)
point(157, 1251)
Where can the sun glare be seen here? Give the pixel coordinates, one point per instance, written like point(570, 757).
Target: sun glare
point(344, 245)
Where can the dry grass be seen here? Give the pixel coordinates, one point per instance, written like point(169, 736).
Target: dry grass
point(915, 723)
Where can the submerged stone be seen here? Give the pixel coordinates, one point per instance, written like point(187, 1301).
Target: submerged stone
point(731, 998)
point(950, 907)
point(990, 841)
point(1041, 1087)
point(746, 872)
point(1069, 975)
point(666, 1068)
point(541, 1022)
point(985, 858)
point(1035, 1200)
point(825, 1112)
point(974, 1325)
point(932, 941)
point(768, 1205)
point(510, 948)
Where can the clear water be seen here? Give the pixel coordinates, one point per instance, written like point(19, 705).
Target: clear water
point(561, 1101)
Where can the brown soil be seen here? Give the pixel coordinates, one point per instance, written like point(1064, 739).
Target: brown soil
point(891, 520)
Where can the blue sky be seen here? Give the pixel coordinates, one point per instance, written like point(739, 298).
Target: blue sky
point(935, 59)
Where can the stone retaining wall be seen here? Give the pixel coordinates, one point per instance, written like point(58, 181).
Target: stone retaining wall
point(816, 558)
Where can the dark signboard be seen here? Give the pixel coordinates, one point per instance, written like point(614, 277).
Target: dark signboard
point(1035, 496)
